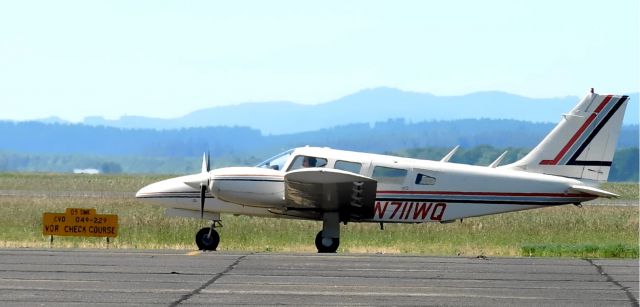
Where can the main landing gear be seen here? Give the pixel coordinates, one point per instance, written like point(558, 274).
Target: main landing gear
point(328, 240)
point(326, 245)
point(208, 238)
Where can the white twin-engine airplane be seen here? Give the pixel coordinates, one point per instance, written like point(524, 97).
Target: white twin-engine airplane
point(336, 186)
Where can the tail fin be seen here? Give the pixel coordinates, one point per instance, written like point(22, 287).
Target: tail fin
point(583, 143)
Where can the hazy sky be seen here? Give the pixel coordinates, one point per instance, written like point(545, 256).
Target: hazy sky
point(166, 58)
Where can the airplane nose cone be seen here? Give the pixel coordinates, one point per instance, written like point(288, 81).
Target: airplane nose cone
point(170, 189)
point(147, 191)
point(161, 189)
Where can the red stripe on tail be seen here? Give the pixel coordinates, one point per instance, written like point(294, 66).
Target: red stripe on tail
point(578, 133)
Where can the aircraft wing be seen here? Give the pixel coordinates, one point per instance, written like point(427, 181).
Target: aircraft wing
point(330, 190)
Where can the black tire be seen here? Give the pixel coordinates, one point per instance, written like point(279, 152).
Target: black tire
point(206, 243)
point(332, 248)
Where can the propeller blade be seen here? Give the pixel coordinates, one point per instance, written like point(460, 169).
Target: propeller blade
point(208, 161)
point(205, 163)
point(203, 190)
point(203, 181)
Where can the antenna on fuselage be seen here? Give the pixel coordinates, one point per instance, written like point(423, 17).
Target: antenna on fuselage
point(498, 160)
point(450, 154)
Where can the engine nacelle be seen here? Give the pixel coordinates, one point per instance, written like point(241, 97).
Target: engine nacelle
point(249, 186)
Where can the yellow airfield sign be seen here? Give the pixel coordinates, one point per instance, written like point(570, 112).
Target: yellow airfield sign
point(80, 222)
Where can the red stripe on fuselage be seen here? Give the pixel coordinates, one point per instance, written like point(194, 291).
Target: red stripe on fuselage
point(577, 135)
point(484, 193)
point(247, 175)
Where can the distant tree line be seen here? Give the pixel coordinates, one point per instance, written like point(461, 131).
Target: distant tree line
point(34, 146)
point(391, 135)
point(624, 168)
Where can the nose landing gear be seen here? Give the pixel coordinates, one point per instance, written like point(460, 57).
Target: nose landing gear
point(208, 238)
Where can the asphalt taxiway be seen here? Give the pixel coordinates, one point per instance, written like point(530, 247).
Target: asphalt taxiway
point(31, 277)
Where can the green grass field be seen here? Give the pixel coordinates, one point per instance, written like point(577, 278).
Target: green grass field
point(566, 231)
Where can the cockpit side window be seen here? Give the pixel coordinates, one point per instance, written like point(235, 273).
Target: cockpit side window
point(276, 162)
point(353, 167)
point(389, 175)
point(307, 161)
point(425, 179)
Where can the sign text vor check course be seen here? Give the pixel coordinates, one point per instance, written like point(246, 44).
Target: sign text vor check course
point(80, 222)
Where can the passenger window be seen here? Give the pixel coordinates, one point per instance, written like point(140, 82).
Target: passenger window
point(425, 180)
point(353, 167)
point(307, 161)
point(389, 175)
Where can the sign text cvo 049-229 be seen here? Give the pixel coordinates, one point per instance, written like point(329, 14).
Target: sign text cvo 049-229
point(80, 222)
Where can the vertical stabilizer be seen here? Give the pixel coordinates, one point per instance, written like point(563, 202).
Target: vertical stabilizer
point(583, 143)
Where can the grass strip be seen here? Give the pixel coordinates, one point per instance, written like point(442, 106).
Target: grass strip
point(580, 250)
point(565, 231)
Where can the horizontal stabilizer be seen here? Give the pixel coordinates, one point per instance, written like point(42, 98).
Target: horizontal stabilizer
point(593, 191)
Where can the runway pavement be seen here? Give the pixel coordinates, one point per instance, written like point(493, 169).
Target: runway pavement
point(173, 278)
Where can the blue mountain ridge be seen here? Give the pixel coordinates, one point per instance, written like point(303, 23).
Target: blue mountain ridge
point(367, 106)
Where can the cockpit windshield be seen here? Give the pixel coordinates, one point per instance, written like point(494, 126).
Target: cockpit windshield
point(276, 162)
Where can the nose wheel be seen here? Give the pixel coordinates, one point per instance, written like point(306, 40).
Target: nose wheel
point(207, 239)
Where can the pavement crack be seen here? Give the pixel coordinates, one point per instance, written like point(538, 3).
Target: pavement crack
point(210, 281)
point(627, 291)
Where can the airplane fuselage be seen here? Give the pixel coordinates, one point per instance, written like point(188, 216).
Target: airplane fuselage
point(408, 190)
point(337, 186)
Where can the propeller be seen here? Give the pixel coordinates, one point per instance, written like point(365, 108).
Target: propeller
point(201, 181)
point(204, 186)
point(203, 190)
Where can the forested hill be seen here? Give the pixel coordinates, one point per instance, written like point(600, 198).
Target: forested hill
point(367, 106)
point(392, 135)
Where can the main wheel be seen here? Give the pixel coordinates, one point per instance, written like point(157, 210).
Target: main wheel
point(326, 245)
point(205, 241)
